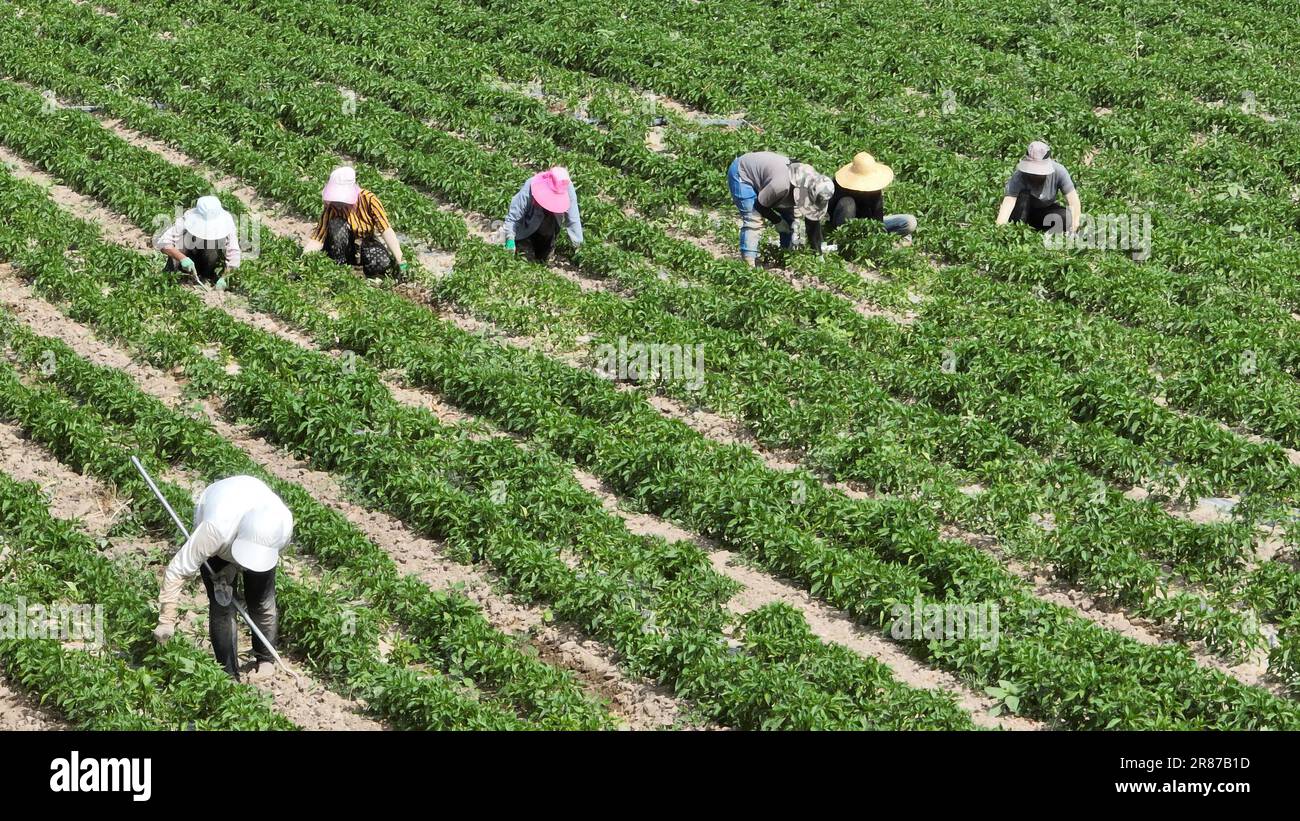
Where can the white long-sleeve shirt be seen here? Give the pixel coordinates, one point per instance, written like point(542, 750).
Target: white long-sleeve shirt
point(216, 523)
point(175, 236)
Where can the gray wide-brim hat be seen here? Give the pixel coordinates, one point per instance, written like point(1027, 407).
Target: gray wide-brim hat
point(1037, 159)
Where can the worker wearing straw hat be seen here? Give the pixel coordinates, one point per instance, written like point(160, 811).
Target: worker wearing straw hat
point(353, 228)
point(765, 185)
point(1031, 193)
point(859, 194)
point(240, 527)
point(202, 243)
point(546, 202)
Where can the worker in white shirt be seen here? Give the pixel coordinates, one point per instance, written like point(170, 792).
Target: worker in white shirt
point(240, 527)
point(202, 243)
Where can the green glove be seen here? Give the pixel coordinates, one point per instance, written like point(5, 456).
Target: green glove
point(510, 243)
point(221, 284)
point(403, 268)
point(187, 265)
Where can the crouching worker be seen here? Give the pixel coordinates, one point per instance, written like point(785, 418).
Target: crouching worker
point(203, 243)
point(1031, 193)
point(859, 194)
point(765, 185)
point(240, 527)
point(545, 203)
point(353, 228)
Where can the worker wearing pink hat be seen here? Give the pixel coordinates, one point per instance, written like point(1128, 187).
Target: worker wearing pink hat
point(353, 228)
point(546, 202)
point(1031, 193)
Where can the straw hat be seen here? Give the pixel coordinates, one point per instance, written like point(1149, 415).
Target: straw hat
point(864, 174)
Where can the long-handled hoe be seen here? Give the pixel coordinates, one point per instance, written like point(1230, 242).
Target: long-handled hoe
point(216, 591)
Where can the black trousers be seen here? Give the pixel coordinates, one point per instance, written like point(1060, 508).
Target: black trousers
point(342, 247)
point(1054, 218)
point(223, 621)
point(209, 263)
point(543, 239)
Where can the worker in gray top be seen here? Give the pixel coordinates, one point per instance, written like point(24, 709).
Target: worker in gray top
point(240, 527)
point(1031, 193)
point(546, 203)
point(767, 185)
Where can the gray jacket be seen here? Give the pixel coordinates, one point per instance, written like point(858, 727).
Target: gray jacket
point(525, 216)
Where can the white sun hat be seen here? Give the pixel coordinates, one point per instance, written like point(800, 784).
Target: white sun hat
point(207, 220)
point(263, 533)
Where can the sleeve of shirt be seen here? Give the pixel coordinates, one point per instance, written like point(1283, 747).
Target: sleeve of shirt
point(1064, 182)
point(1015, 185)
point(378, 216)
point(769, 214)
point(233, 253)
point(574, 219)
point(322, 225)
point(204, 543)
point(518, 206)
point(813, 228)
point(169, 238)
point(773, 194)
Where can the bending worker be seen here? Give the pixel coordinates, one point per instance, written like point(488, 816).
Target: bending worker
point(767, 185)
point(240, 527)
point(202, 243)
point(353, 228)
point(859, 194)
point(546, 202)
point(1031, 193)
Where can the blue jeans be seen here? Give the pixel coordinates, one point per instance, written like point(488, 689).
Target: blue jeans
point(904, 224)
point(751, 222)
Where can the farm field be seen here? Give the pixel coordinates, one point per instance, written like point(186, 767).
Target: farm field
point(1093, 452)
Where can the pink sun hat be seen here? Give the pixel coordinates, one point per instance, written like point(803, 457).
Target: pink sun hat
point(551, 189)
point(342, 186)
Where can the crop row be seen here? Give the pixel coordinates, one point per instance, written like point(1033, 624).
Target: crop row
point(603, 595)
point(1105, 567)
point(563, 383)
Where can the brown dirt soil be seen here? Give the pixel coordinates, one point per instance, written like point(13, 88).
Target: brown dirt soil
point(303, 700)
point(18, 711)
point(79, 497)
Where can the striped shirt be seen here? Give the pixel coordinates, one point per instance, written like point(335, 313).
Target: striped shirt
point(367, 218)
